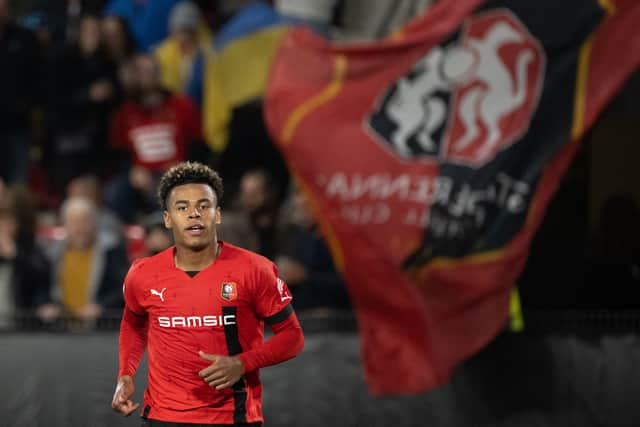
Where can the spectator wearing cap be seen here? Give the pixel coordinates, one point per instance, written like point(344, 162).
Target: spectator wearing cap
point(189, 37)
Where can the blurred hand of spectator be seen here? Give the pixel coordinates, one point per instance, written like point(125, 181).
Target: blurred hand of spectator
point(48, 312)
point(89, 312)
point(101, 91)
point(141, 179)
point(7, 247)
point(8, 230)
point(290, 270)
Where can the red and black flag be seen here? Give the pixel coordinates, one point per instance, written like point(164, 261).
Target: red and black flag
point(432, 157)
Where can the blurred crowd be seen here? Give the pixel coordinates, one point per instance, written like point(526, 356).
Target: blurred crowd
point(100, 98)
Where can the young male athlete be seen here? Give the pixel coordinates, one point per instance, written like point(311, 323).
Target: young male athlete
point(200, 307)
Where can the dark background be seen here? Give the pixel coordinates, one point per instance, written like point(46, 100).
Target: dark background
point(52, 380)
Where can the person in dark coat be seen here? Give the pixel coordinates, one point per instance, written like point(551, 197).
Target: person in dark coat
point(19, 86)
point(305, 263)
point(82, 93)
point(24, 267)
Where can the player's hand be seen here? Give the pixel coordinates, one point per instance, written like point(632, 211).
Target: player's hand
point(122, 397)
point(224, 371)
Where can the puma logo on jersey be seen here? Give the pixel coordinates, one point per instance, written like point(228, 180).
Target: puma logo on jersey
point(159, 294)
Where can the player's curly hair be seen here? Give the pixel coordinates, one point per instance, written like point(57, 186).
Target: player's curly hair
point(189, 173)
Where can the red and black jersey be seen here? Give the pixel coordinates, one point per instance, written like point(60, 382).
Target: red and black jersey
point(220, 310)
point(156, 139)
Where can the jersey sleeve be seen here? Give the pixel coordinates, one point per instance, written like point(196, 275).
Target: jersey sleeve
point(273, 297)
point(133, 327)
point(131, 291)
point(273, 304)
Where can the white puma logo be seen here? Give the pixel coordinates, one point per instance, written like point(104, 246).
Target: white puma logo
point(154, 292)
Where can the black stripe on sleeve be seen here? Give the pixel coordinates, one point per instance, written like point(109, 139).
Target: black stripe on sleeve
point(234, 347)
point(280, 316)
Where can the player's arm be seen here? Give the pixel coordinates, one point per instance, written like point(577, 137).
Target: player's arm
point(286, 343)
point(273, 304)
point(133, 343)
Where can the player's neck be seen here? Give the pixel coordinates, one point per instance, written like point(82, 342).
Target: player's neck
point(190, 260)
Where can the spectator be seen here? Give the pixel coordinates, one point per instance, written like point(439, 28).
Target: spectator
point(156, 236)
point(19, 81)
point(40, 25)
point(83, 93)
point(127, 80)
point(254, 223)
point(118, 40)
point(189, 37)
point(89, 267)
point(304, 262)
point(236, 229)
point(152, 131)
point(24, 268)
point(64, 17)
point(89, 187)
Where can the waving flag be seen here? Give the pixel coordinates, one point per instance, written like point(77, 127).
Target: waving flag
point(432, 157)
point(236, 73)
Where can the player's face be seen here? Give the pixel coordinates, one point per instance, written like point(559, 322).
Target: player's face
point(192, 214)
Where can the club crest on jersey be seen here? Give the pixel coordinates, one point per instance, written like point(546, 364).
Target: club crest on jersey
point(229, 291)
point(466, 99)
point(283, 290)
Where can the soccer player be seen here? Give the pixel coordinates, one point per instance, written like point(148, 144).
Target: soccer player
point(200, 307)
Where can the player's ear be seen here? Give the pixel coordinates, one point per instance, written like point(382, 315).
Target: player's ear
point(218, 215)
point(166, 218)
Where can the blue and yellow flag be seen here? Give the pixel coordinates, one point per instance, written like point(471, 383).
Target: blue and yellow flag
point(235, 73)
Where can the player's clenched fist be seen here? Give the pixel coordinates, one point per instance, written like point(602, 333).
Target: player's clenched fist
point(122, 397)
point(224, 371)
